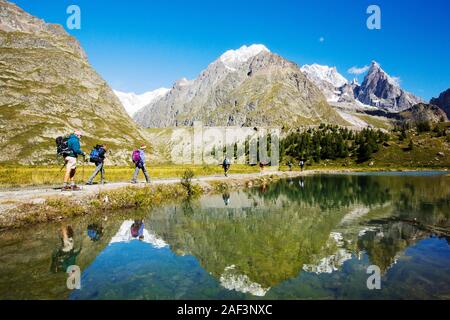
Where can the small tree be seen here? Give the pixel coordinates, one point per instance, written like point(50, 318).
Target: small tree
point(186, 182)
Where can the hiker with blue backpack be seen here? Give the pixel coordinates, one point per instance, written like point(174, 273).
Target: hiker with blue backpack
point(97, 156)
point(138, 158)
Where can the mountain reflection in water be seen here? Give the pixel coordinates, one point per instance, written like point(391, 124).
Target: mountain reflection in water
point(296, 239)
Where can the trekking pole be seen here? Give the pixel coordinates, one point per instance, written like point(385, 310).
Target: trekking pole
point(82, 171)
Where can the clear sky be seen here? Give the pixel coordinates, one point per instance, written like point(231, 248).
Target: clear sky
point(141, 45)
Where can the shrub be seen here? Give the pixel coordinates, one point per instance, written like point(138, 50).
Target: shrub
point(186, 182)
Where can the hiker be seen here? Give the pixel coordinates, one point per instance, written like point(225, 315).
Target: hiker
point(97, 156)
point(74, 150)
point(226, 166)
point(302, 164)
point(138, 158)
point(290, 165)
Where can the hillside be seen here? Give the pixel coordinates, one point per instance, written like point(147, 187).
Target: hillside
point(48, 88)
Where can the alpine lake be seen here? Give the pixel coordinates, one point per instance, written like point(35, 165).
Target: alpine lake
point(318, 237)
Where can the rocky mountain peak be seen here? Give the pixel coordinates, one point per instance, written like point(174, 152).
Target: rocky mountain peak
point(380, 90)
point(14, 19)
point(324, 73)
point(443, 101)
point(232, 58)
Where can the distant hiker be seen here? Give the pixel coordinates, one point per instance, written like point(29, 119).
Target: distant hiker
point(138, 158)
point(226, 166)
point(290, 165)
point(71, 154)
point(97, 156)
point(302, 164)
point(262, 165)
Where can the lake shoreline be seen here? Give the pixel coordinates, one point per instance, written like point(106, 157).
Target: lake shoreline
point(26, 207)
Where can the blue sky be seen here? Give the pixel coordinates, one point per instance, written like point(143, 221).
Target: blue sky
point(143, 45)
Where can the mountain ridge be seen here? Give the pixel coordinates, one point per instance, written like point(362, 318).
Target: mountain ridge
point(261, 89)
point(49, 89)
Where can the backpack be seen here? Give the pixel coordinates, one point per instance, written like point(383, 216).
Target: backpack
point(136, 156)
point(95, 155)
point(62, 147)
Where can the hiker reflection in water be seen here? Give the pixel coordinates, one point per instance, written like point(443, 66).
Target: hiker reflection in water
point(226, 198)
point(65, 256)
point(302, 183)
point(95, 232)
point(137, 230)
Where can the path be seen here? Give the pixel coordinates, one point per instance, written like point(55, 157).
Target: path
point(10, 198)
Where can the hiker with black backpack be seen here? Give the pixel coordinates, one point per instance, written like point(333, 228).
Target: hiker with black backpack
point(226, 166)
point(138, 158)
point(69, 148)
point(97, 156)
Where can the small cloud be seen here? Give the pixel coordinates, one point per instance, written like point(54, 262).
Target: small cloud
point(358, 70)
point(321, 39)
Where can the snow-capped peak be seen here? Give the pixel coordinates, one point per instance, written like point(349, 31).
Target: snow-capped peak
point(133, 102)
point(232, 58)
point(324, 73)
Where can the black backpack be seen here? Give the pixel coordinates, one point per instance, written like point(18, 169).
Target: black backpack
point(62, 147)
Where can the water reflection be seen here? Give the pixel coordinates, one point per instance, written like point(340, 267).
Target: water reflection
point(307, 238)
point(66, 254)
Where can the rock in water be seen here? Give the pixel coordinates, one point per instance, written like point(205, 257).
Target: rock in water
point(246, 87)
point(48, 89)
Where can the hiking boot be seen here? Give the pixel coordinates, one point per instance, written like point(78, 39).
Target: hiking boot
point(89, 184)
point(133, 182)
point(66, 188)
point(76, 188)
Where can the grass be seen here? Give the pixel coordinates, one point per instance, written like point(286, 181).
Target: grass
point(27, 176)
point(429, 152)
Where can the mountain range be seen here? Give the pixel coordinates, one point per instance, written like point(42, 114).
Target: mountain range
point(252, 86)
point(246, 87)
point(48, 88)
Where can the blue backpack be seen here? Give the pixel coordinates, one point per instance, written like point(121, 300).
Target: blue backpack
point(95, 155)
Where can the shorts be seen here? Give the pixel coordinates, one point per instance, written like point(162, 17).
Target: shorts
point(71, 163)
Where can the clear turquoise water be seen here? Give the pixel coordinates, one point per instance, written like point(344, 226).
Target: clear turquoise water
point(312, 238)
